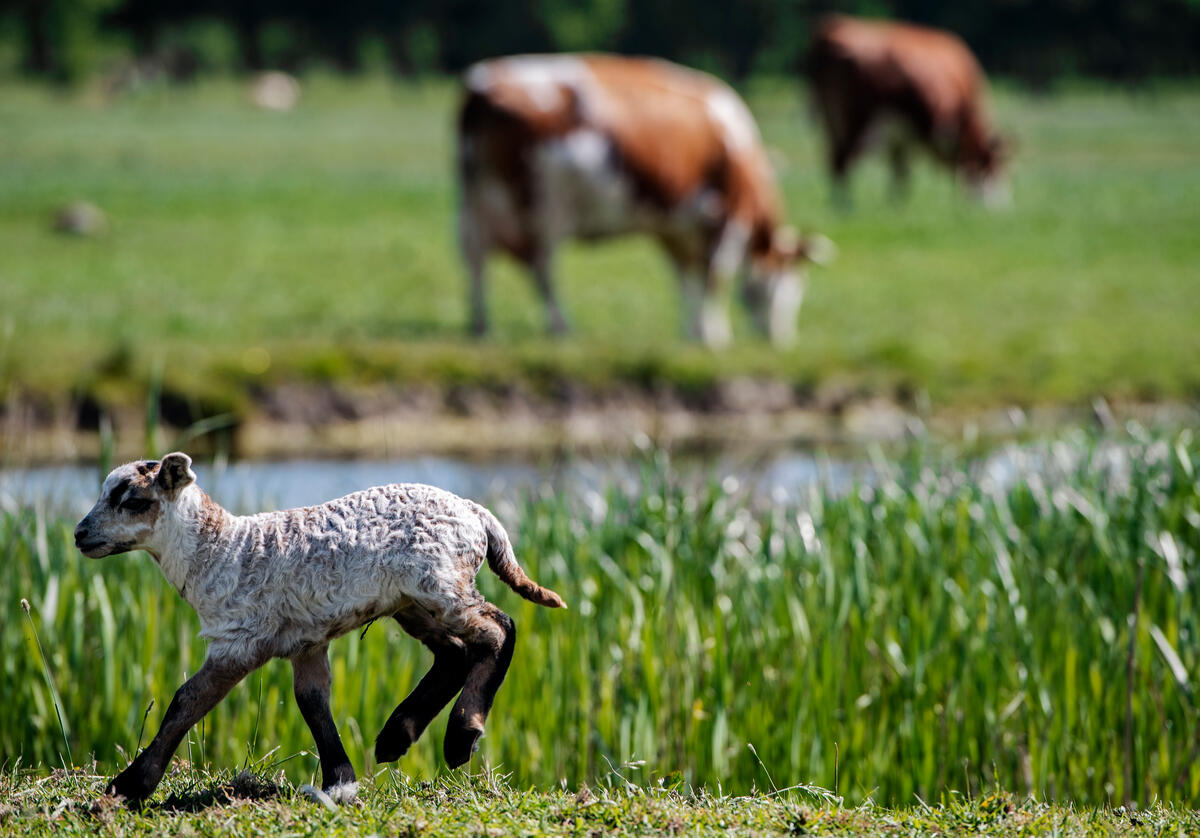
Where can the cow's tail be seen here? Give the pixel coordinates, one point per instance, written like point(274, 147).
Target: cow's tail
point(503, 562)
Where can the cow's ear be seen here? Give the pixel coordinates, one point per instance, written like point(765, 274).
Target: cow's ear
point(787, 244)
point(175, 473)
point(818, 249)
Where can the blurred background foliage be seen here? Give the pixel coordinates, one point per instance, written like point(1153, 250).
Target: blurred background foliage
point(1036, 41)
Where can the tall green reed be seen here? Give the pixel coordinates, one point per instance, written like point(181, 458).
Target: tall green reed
point(936, 628)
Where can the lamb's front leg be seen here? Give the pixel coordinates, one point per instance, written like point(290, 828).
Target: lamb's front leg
point(199, 694)
point(311, 681)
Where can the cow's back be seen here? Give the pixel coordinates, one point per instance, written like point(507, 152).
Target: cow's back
point(674, 130)
point(659, 116)
point(895, 65)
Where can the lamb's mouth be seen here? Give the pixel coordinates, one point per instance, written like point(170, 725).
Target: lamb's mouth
point(100, 549)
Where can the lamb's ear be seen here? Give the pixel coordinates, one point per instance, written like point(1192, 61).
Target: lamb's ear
point(175, 473)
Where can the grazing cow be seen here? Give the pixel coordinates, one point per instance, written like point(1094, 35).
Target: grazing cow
point(593, 146)
point(896, 84)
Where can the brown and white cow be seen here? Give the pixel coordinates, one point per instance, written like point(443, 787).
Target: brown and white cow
point(899, 85)
point(553, 147)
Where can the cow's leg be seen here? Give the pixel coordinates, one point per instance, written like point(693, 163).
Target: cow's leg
point(844, 147)
point(691, 290)
point(191, 703)
point(786, 296)
point(443, 681)
point(898, 157)
point(839, 189)
point(726, 258)
point(841, 156)
point(540, 268)
point(310, 684)
point(474, 251)
point(690, 254)
point(489, 635)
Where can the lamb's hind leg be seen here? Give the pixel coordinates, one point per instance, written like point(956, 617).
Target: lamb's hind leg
point(443, 681)
point(490, 636)
point(310, 682)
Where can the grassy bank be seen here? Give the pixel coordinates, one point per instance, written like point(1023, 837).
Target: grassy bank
point(199, 802)
point(247, 249)
point(944, 628)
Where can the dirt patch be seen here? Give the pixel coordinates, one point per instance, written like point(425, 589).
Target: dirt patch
point(245, 787)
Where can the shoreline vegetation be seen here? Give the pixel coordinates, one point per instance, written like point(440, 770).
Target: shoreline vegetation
point(934, 629)
point(485, 422)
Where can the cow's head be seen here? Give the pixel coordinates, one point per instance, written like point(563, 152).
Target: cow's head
point(985, 170)
point(773, 287)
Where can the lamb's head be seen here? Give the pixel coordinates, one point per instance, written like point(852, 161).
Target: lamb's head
point(135, 506)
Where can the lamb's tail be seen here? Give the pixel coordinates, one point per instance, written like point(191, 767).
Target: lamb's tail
point(503, 562)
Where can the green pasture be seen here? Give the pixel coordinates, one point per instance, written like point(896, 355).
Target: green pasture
point(247, 246)
point(933, 630)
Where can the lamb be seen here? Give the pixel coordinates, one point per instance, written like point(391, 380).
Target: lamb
point(284, 584)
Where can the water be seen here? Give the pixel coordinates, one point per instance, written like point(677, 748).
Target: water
point(254, 486)
point(783, 474)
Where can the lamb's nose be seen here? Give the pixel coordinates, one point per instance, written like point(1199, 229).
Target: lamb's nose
point(81, 534)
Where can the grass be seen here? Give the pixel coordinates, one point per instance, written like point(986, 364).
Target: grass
point(942, 628)
point(488, 805)
point(249, 247)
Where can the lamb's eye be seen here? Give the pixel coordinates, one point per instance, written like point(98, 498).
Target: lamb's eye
point(135, 505)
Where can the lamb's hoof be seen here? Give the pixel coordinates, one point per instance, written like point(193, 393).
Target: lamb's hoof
point(389, 747)
point(460, 744)
point(333, 795)
point(131, 788)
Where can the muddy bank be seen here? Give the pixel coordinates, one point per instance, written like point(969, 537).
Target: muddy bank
point(293, 420)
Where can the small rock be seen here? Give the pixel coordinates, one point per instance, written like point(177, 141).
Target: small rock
point(275, 91)
point(80, 218)
point(875, 419)
point(754, 395)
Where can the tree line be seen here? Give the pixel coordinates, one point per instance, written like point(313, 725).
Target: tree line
point(1037, 41)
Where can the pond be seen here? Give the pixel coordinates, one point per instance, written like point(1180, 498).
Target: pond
point(779, 474)
point(256, 485)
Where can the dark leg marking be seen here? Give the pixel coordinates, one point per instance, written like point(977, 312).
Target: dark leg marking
point(490, 638)
point(310, 683)
point(443, 681)
point(199, 694)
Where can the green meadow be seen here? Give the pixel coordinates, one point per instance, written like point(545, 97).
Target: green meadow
point(246, 247)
